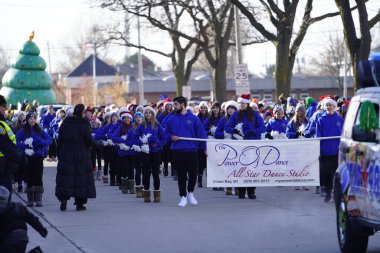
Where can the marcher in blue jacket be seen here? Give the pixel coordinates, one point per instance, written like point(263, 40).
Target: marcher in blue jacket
point(184, 123)
point(115, 177)
point(311, 107)
point(162, 118)
point(107, 150)
point(278, 124)
point(135, 152)
point(150, 137)
point(246, 124)
point(203, 111)
point(329, 124)
point(220, 133)
point(297, 124)
point(119, 136)
point(96, 152)
point(34, 142)
point(45, 123)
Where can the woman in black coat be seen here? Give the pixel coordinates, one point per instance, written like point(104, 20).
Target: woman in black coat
point(74, 169)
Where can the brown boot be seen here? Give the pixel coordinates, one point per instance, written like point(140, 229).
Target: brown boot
point(124, 185)
point(38, 191)
point(157, 196)
point(105, 179)
point(146, 194)
point(139, 193)
point(30, 195)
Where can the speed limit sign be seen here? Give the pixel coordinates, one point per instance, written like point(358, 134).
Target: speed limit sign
point(241, 72)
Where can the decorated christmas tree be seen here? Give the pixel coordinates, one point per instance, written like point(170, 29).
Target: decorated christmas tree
point(27, 78)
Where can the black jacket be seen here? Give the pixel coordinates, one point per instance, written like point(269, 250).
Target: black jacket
point(74, 170)
point(16, 216)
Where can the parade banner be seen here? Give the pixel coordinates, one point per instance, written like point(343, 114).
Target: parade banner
point(234, 163)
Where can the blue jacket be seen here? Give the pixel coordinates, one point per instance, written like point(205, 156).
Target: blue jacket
point(46, 120)
point(116, 138)
point(219, 133)
point(206, 124)
point(311, 110)
point(40, 143)
point(311, 126)
point(329, 125)
point(162, 116)
point(155, 141)
point(185, 125)
point(291, 129)
point(202, 117)
point(251, 130)
point(278, 125)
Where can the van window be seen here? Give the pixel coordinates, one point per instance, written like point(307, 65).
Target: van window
point(350, 119)
point(366, 135)
point(357, 120)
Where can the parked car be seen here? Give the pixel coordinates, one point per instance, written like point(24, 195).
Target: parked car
point(357, 179)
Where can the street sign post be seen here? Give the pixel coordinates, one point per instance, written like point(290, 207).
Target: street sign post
point(186, 91)
point(242, 79)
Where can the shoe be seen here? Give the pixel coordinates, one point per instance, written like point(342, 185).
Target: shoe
point(328, 199)
point(221, 189)
point(252, 196)
point(80, 207)
point(305, 188)
point(228, 191)
point(166, 172)
point(215, 189)
point(105, 179)
point(63, 206)
point(323, 191)
point(157, 196)
point(241, 197)
point(317, 190)
point(191, 199)
point(182, 202)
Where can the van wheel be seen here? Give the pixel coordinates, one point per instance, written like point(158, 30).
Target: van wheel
point(349, 242)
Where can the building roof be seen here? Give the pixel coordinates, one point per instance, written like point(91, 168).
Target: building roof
point(86, 68)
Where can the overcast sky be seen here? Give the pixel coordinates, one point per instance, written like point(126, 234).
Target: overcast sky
point(57, 22)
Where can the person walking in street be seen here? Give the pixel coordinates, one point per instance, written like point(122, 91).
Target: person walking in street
point(150, 137)
point(45, 123)
point(329, 124)
point(10, 156)
point(168, 105)
point(74, 170)
point(246, 124)
point(20, 175)
point(220, 133)
point(34, 142)
point(210, 125)
point(184, 123)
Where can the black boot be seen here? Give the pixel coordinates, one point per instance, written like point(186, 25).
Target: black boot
point(166, 171)
point(112, 180)
point(200, 184)
point(63, 206)
point(242, 192)
point(80, 207)
point(251, 192)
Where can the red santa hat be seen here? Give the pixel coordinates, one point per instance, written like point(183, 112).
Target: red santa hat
point(244, 98)
point(125, 114)
point(148, 108)
point(122, 111)
point(167, 101)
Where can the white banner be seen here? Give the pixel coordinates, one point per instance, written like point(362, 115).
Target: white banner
point(233, 163)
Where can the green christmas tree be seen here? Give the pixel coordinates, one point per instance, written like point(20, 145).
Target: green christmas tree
point(27, 78)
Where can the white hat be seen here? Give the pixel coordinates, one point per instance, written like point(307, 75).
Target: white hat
point(107, 114)
point(121, 111)
point(244, 98)
point(203, 103)
point(223, 106)
point(125, 114)
point(191, 109)
point(253, 105)
point(329, 101)
point(96, 120)
point(139, 107)
point(148, 108)
point(231, 103)
point(69, 111)
point(167, 101)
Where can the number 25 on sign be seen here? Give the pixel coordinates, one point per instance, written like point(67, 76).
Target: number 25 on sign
point(241, 72)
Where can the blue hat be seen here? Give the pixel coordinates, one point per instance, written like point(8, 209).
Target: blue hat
point(138, 114)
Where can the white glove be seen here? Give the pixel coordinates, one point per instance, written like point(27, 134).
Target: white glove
point(136, 148)
point(124, 137)
point(105, 143)
point(238, 137)
point(93, 135)
point(110, 142)
point(29, 151)
point(29, 142)
point(227, 135)
point(145, 148)
point(210, 137)
point(124, 147)
point(144, 138)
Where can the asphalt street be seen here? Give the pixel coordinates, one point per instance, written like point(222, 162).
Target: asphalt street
point(281, 219)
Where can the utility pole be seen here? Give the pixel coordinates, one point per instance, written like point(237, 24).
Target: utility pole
point(95, 93)
point(237, 36)
point(140, 66)
point(48, 48)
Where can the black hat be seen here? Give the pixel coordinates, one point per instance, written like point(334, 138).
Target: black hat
point(2, 100)
point(30, 115)
point(216, 104)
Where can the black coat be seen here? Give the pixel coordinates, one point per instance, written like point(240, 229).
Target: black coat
point(74, 170)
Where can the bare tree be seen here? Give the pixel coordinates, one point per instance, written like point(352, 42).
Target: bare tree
point(158, 14)
point(358, 48)
point(330, 61)
point(284, 38)
point(4, 64)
